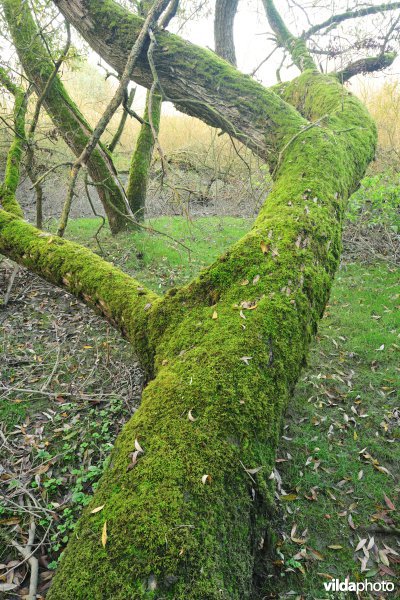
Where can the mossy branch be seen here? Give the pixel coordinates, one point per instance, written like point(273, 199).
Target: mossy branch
point(122, 300)
point(14, 156)
point(296, 47)
point(196, 80)
point(370, 64)
point(337, 19)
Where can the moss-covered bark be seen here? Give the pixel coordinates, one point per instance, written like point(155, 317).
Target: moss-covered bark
point(196, 80)
point(172, 532)
point(141, 159)
point(64, 113)
point(10, 183)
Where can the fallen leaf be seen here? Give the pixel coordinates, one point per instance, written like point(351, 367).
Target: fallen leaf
point(253, 471)
point(205, 479)
point(351, 522)
point(97, 509)
point(383, 558)
point(289, 497)
point(335, 547)
point(138, 446)
point(360, 544)
point(214, 315)
point(104, 535)
point(389, 503)
point(191, 417)
point(265, 247)
point(246, 359)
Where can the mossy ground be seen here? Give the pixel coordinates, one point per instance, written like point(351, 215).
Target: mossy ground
point(360, 318)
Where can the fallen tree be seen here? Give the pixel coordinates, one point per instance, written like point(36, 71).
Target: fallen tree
point(187, 495)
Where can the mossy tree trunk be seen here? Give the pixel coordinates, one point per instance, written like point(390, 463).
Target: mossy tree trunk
point(188, 518)
point(13, 163)
point(141, 159)
point(65, 115)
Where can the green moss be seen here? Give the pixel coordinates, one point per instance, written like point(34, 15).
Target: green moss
point(198, 540)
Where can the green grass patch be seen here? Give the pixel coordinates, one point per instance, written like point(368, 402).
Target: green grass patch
point(340, 453)
point(160, 260)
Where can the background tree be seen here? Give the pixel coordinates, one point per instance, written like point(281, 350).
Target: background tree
point(72, 125)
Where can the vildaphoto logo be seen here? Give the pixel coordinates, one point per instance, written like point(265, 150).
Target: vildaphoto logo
point(335, 585)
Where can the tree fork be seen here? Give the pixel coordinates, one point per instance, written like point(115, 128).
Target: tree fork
point(187, 519)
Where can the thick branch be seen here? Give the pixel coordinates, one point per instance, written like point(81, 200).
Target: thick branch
point(195, 79)
point(123, 301)
point(351, 14)
point(369, 64)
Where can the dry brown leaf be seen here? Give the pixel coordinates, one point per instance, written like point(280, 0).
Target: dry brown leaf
point(246, 359)
point(256, 279)
point(97, 509)
point(383, 558)
point(389, 503)
point(371, 543)
point(351, 522)
point(206, 479)
point(104, 535)
point(265, 247)
point(253, 471)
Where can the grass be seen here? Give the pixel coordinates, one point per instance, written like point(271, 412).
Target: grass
point(158, 261)
point(340, 453)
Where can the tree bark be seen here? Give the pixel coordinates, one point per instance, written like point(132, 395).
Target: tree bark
point(65, 115)
point(13, 163)
point(225, 13)
point(196, 80)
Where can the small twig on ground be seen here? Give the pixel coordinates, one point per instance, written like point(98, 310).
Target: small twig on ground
point(10, 285)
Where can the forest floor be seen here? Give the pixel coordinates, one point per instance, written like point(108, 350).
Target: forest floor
point(68, 383)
